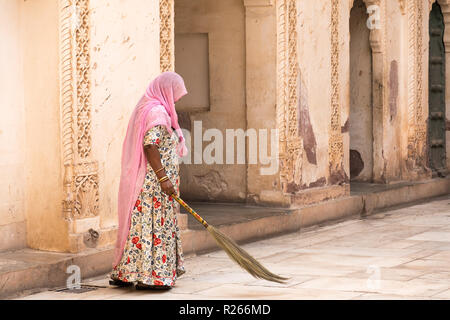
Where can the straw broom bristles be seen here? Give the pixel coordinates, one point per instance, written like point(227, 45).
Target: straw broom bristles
point(236, 253)
point(242, 258)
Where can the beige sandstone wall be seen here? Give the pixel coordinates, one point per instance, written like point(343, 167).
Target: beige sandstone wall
point(46, 228)
point(124, 59)
point(315, 77)
point(263, 179)
point(12, 135)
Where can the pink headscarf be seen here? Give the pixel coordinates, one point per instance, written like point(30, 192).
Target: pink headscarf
point(156, 107)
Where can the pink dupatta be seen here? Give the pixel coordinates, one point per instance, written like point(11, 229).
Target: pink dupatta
point(156, 107)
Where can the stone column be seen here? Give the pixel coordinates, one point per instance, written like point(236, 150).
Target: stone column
point(378, 94)
point(81, 200)
point(261, 93)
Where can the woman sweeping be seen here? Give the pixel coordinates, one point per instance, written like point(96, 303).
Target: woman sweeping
point(148, 247)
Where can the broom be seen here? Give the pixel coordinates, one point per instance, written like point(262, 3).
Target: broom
point(236, 253)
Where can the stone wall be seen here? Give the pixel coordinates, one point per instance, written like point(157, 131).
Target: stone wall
point(46, 228)
point(12, 134)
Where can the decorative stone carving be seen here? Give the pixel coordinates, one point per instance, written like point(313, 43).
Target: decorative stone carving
point(67, 98)
point(335, 146)
point(288, 96)
point(416, 124)
point(83, 81)
point(86, 190)
point(80, 172)
point(281, 90)
point(167, 41)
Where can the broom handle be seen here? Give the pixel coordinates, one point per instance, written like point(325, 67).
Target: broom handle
point(190, 210)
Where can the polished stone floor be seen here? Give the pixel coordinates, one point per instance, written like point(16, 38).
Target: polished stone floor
point(398, 254)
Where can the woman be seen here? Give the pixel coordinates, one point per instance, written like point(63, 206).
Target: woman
point(148, 247)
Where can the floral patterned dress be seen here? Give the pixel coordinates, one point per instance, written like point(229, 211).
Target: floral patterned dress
point(153, 253)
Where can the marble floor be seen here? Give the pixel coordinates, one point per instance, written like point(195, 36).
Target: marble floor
point(398, 254)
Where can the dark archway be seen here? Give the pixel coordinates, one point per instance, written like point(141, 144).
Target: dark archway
point(361, 104)
point(436, 94)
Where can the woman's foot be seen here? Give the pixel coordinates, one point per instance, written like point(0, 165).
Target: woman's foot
point(120, 283)
point(142, 286)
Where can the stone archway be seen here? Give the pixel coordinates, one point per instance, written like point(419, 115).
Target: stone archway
point(370, 167)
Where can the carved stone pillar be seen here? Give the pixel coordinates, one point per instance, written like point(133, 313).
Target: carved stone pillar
point(288, 96)
point(379, 84)
point(167, 35)
point(417, 128)
point(81, 203)
point(335, 144)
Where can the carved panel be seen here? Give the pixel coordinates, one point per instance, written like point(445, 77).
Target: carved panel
point(80, 172)
point(281, 90)
point(419, 64)
point(288, 95)
point(416, 124)
point(67, 99)
point(167, 46)
point(83, 80)
point(67, 80)
point(86, 190)
point(335, 147)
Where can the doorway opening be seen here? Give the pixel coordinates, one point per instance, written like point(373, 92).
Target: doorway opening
point(361, 102)
point(436, 93)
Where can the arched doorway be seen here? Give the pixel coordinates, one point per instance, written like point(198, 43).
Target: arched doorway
point(361, 104)
point(436, 91)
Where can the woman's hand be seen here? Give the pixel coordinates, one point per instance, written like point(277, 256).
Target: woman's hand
point(167, 187)
point(154, 158)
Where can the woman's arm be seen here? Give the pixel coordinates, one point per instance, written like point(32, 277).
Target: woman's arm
point(154, 158)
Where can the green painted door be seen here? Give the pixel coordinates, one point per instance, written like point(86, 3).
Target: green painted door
point(436, 119)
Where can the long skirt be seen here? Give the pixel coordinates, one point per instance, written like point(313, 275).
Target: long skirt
point(153, 254)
